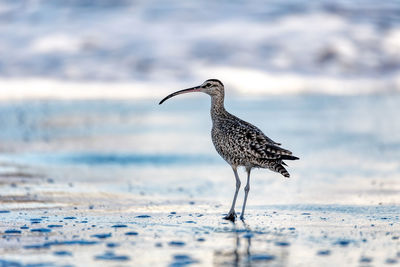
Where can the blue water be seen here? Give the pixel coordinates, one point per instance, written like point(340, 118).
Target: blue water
point(93, 159)
point(178, 133)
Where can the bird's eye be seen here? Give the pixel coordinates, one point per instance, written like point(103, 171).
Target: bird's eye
point(208, 84)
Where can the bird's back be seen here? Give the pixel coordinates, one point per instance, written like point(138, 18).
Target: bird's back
point(243, 144)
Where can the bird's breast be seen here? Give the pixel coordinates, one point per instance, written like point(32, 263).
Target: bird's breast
point(228, 146)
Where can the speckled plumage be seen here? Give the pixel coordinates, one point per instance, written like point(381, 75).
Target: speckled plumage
point(242, 144)
point(238, 142)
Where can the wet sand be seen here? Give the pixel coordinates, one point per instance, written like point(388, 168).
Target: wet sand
point(65, 224)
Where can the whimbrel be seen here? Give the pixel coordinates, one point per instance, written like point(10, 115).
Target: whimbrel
point(238, 142)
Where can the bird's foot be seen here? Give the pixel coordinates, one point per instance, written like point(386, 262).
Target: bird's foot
point(231, 216)
point(241, 217)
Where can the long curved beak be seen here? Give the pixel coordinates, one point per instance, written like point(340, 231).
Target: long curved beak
point(184, 91)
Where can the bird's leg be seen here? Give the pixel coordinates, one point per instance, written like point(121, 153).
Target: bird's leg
point(232, 215)
point(246, 192)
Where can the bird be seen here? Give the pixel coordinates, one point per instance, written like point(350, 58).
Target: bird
point(238, 142)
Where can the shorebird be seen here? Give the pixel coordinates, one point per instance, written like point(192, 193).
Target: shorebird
point(238, 142)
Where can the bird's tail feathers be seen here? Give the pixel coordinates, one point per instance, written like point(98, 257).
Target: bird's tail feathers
point(289, 157)
point(280, 169)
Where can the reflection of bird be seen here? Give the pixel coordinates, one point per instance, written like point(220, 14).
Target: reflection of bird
point(238, 142)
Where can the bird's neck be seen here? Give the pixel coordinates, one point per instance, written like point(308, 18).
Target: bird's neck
point(217, 106)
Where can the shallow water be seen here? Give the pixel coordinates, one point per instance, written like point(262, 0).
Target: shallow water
point(115, 183)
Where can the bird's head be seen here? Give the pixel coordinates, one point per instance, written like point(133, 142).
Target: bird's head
point(212, 87)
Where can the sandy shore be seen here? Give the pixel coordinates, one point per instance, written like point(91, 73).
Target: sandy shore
point(65, 223)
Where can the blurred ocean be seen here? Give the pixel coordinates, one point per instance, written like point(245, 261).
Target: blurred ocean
point(135, 49)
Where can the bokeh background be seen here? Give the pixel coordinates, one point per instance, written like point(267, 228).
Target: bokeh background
point(80, 124)
point(259, 48)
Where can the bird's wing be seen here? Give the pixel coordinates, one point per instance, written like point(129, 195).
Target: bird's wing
point(250, 139)
point(255, 129)
point(260, 147)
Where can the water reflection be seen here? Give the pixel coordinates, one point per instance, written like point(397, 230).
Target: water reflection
point(254, 248)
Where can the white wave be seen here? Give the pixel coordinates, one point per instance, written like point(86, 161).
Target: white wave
point(242, 81)
point(149, 49)
point(128, 43)
point(256, 82)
